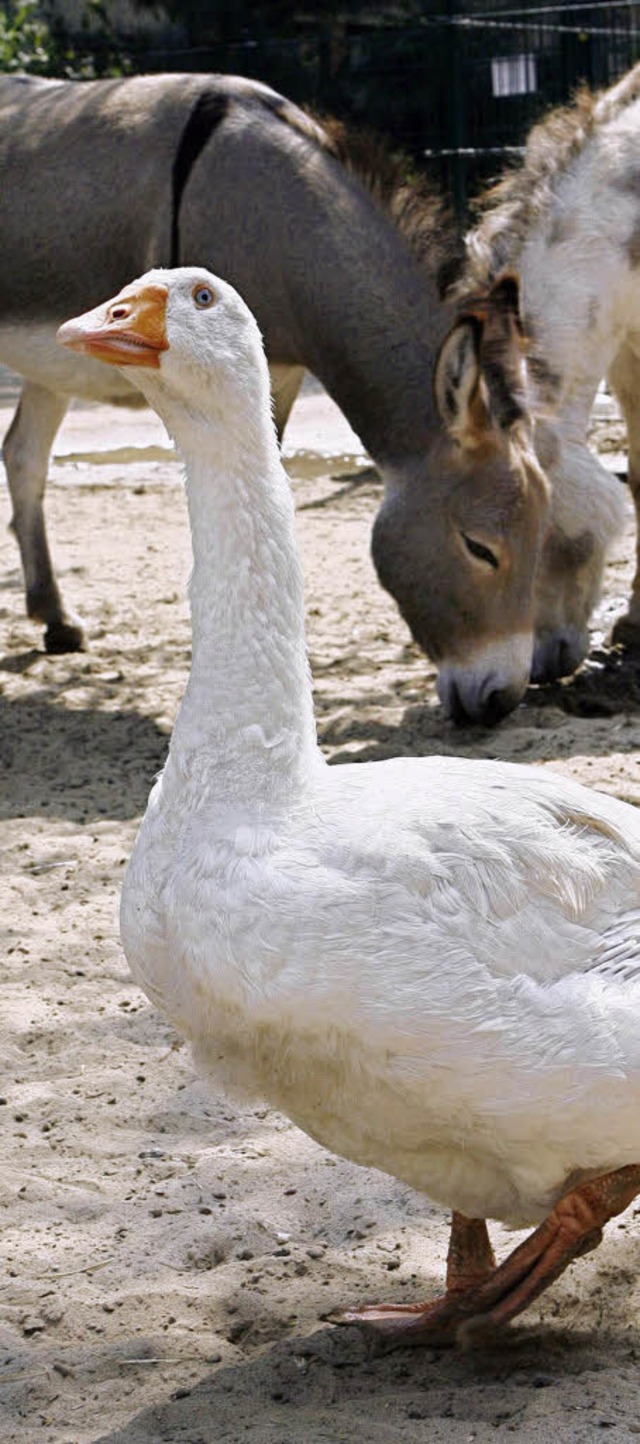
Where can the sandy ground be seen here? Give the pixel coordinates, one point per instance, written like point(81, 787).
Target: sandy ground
point(168, 1257)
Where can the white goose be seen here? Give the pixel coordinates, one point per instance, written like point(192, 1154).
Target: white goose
point(432, 965)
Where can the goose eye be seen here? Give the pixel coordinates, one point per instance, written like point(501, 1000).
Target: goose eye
point(481, 552)
point(203, 297)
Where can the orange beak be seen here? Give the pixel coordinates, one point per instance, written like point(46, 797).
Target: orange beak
point(130, 330)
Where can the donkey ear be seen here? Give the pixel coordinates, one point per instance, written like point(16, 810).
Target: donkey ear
point(502, 358)
point(480, 378)
point(457, 376)
point(504, 297)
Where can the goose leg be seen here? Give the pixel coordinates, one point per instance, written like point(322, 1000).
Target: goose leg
point(470, 1262)
point(470, 1259)
point(480, 1297)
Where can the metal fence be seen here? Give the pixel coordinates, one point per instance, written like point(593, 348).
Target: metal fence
point(458, 90)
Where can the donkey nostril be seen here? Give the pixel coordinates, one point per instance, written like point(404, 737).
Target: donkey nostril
point(455, 707)
point(467, 703)
point(496, 705)
point(557, 656)
point(452, 701)
point(462, 709)
point(119, 313)
point(565, 662)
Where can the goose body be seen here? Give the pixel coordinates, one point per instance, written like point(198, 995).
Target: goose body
point(431, 965)
point(444, 999)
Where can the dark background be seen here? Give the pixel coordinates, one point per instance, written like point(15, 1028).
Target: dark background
point(456, 87)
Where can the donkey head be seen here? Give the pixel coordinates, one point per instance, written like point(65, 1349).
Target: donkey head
point(459, 554)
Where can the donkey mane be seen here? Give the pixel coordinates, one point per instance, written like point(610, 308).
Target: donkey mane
point(416, 208)
point(508, 210)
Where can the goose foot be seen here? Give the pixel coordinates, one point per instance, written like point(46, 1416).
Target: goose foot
point(470, 1262)
point(482, 1298)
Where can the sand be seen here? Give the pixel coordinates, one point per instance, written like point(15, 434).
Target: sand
point(167, 1256)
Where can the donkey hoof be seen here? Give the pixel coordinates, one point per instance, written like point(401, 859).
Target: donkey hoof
point(64, 637)
point(626, 633)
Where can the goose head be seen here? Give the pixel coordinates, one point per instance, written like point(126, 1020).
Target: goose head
point(189, 343)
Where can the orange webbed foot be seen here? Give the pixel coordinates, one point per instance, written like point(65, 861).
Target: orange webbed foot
point(482, 1297)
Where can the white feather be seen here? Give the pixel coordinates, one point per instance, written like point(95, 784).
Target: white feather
point(432, 965)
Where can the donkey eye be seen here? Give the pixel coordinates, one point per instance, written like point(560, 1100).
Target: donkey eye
point(203, 297)
point(481, 552)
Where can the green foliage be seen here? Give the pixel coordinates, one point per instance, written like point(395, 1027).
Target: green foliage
point(25, 38)
point(32, 41)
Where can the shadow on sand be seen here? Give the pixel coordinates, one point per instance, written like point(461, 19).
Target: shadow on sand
point(79, 763)
point(329, 1387)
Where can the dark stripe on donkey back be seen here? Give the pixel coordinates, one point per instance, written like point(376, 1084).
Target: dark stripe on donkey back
point(206, 113)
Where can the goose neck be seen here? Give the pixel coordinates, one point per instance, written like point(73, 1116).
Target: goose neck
point(245, 730)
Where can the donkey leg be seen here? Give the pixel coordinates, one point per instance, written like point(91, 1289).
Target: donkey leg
point(624, 377)
point(285, 385)
point(26, 451)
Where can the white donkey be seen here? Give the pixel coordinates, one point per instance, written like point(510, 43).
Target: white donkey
point(568, 219)
point(103, 180)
